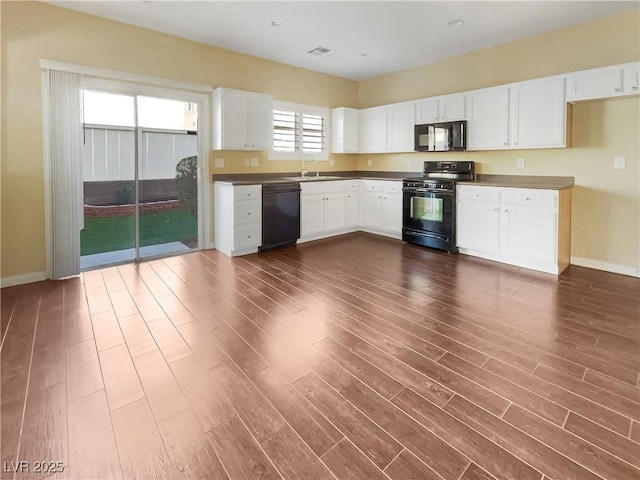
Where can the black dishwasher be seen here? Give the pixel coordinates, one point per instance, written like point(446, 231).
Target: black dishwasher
point(280, 214)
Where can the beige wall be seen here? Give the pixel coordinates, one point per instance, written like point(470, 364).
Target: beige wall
point(608, 41)
point(31, 31)
point(606, 206)
point(605, 217)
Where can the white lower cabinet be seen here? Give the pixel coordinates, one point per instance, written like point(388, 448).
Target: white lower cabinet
point(237, 218)
point(382, 207)
point(520, 226)
point(334, 207)
point(323, 209)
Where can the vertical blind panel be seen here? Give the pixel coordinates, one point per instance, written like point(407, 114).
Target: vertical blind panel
point(65, 138)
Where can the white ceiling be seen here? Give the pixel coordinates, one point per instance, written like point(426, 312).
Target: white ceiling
point(394, 35)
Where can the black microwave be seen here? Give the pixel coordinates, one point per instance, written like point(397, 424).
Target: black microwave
point(441, 137)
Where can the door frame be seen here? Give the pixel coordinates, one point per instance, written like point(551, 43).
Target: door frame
point(134, 84)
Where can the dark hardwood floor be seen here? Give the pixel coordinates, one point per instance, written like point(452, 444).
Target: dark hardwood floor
point(356, 357)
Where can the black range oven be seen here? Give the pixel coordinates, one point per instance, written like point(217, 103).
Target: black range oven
point(429, 204)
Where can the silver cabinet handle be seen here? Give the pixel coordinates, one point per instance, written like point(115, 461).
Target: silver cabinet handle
point(249, 213)
point(506, 143)
point(496, 209)
point(527, 199)
point(635, 87)
point(248, 236)
point(617, 89)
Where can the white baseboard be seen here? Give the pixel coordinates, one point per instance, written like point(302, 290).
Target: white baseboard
point(22, 279)
point(605, 266)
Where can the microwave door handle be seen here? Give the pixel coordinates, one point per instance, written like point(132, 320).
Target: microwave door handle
point(450, 135)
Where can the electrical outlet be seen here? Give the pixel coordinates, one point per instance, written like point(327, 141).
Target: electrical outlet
point(254, 162)
point(520, 162)
point(246, 162)
point(619, 162)
point(219, 163)
point(332, 162)
point(369, 162)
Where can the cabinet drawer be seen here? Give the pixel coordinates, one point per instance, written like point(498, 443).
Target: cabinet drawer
point(478, 194)
point(248, 211)
point(247, 192)
point(249, 235)
point(530, 196)
point(373, 185)
point(352, 185)
point(392, 187)
point(322, 186)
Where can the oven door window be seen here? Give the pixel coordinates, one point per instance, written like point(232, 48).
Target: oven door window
point(428, 212)
point(427, 209)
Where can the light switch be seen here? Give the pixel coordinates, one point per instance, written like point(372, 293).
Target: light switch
point(219, 163)
point(246, 162)
point(369, 162)
point(520, 162)
point(254, 162)
point(619, 162)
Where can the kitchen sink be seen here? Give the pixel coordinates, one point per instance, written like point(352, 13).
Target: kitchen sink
point(313, 177)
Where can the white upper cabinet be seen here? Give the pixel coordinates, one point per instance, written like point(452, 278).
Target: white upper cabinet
point(488, 119)
point(373, 130)
point(441, 109)
point(522, 115)
point(603, 82)
point(537, 116)
point(387, 129)
point(631, 78)
point(400, 123)
point(344, 130)
point(242, 120)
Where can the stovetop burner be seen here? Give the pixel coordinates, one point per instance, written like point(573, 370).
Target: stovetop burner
point(442, 175)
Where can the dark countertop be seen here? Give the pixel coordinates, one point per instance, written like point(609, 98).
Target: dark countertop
point(514, 181)
point(261, 178)
point(522, 181)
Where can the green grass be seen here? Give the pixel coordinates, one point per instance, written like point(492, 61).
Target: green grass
point(118, 233)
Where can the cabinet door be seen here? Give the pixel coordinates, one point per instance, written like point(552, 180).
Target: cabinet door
point(352, 209)
point(427, 111)
point(452, 107)
point(373, 213)
point(311, 214)
point(488, 119)
point(599, 83)
point(632, 79)
point(530, 233)
point(260, 122)
point(538, 114)
point(335, 212)
point(401, 121)
point(373, 129)
point(392, 212)
point(344, 130)
point(478, 226)
point(235, 120)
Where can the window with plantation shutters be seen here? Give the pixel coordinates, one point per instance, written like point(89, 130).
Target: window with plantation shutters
point(299, 131)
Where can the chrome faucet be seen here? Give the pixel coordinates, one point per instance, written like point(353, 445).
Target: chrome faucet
point(303, 172)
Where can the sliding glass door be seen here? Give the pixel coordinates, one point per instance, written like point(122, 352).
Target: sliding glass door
point(141, 189)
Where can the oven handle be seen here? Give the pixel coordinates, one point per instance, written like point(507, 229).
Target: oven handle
point(427, 190)
point(430, 235)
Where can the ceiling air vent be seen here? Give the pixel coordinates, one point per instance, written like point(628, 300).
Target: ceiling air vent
point(320, 51)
